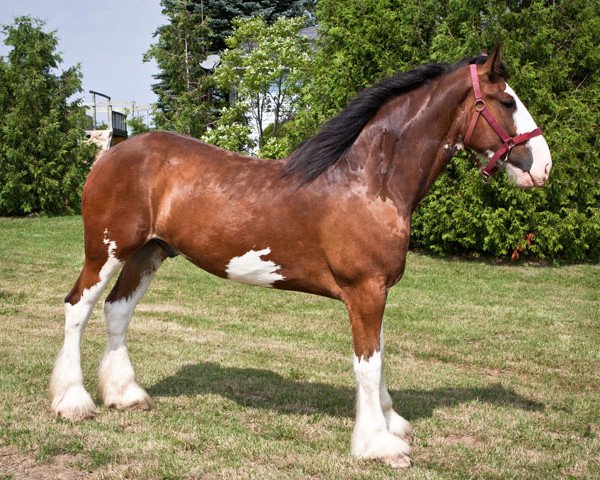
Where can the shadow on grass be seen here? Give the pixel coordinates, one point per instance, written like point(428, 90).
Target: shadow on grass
point(265, 389)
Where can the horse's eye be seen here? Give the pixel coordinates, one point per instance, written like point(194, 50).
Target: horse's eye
point(510, 104)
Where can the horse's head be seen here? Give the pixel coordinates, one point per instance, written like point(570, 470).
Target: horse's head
point(501, 128)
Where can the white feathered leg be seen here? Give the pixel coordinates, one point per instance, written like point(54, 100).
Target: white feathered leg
point(394, 422)
point(371, 438)
point(116, 377)
point(69, 398)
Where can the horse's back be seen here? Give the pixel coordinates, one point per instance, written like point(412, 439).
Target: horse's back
point(159, 184)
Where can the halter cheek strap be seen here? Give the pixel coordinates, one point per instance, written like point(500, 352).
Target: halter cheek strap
point(508, 142)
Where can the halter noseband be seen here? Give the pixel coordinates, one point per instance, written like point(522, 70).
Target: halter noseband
point(508, 142)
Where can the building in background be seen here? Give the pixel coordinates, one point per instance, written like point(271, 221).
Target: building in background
point(107, 120)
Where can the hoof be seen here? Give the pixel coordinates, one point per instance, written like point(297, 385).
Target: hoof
point(75, 405)
point(133, 397)
point(137, 406)
point(385, 447)
point(401, 461)
point(140, 406)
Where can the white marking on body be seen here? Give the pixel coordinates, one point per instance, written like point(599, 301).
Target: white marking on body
point(112, 245)
point(539, 150)
point(69, 397)
point(371, 438)
point(253, 270)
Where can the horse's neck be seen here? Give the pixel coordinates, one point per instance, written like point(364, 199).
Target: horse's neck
point(409, 142)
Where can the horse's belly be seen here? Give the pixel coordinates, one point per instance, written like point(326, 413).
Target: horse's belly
point(262, 260)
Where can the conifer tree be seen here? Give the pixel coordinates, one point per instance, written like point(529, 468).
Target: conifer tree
point(43, 154)
point(223, 12)
point(184, 88)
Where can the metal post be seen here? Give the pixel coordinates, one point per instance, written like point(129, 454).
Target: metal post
point(108, 108)
point(93, 111)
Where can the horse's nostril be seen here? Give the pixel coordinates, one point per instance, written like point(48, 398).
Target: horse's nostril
point(547, 169)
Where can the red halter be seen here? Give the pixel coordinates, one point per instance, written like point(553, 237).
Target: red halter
point(508, 142)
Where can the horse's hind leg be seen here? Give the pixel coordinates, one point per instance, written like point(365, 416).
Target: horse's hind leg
point(69, 397)
point(116, 378)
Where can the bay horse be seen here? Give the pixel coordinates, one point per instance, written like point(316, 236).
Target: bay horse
point(333, 219)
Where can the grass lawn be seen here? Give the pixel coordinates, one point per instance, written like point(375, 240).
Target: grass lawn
point(497, 367)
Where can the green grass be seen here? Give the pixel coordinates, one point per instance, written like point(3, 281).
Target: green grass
point(496, 366)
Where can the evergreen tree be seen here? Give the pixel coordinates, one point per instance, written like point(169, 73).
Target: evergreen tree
point(223, 12)
point(43, 156)
point(184, 88)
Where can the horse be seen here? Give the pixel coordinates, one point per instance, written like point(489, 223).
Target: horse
point(332, 219)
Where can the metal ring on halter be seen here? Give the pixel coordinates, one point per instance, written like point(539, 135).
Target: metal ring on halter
point(479, 105)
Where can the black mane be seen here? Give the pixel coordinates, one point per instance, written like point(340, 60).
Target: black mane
point(338, 134)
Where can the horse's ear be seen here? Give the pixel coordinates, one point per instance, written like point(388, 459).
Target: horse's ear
point(494, 65)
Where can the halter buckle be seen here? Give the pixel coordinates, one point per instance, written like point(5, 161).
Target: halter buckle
point(485, 176)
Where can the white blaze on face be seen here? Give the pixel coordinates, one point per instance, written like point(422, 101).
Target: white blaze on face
point(253, 270)
point(538, 148)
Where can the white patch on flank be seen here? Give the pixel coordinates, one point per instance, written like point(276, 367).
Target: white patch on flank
point(69, 397)
point(540, 152)
point(112, 245)
point(371, 438)
point(251, 269)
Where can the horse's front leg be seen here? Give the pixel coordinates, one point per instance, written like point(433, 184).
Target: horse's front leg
point(371, 437)
point(394, 422)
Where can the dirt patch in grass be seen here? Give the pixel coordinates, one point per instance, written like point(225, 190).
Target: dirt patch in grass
point(18, 466)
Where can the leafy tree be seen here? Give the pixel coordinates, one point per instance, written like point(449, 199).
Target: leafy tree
point(137, 125)
point(188, 101)
point(264, 66)
point(184, 88)
point(231, 131)
point(43, 156)
point(556, 72)
point(551, 52)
